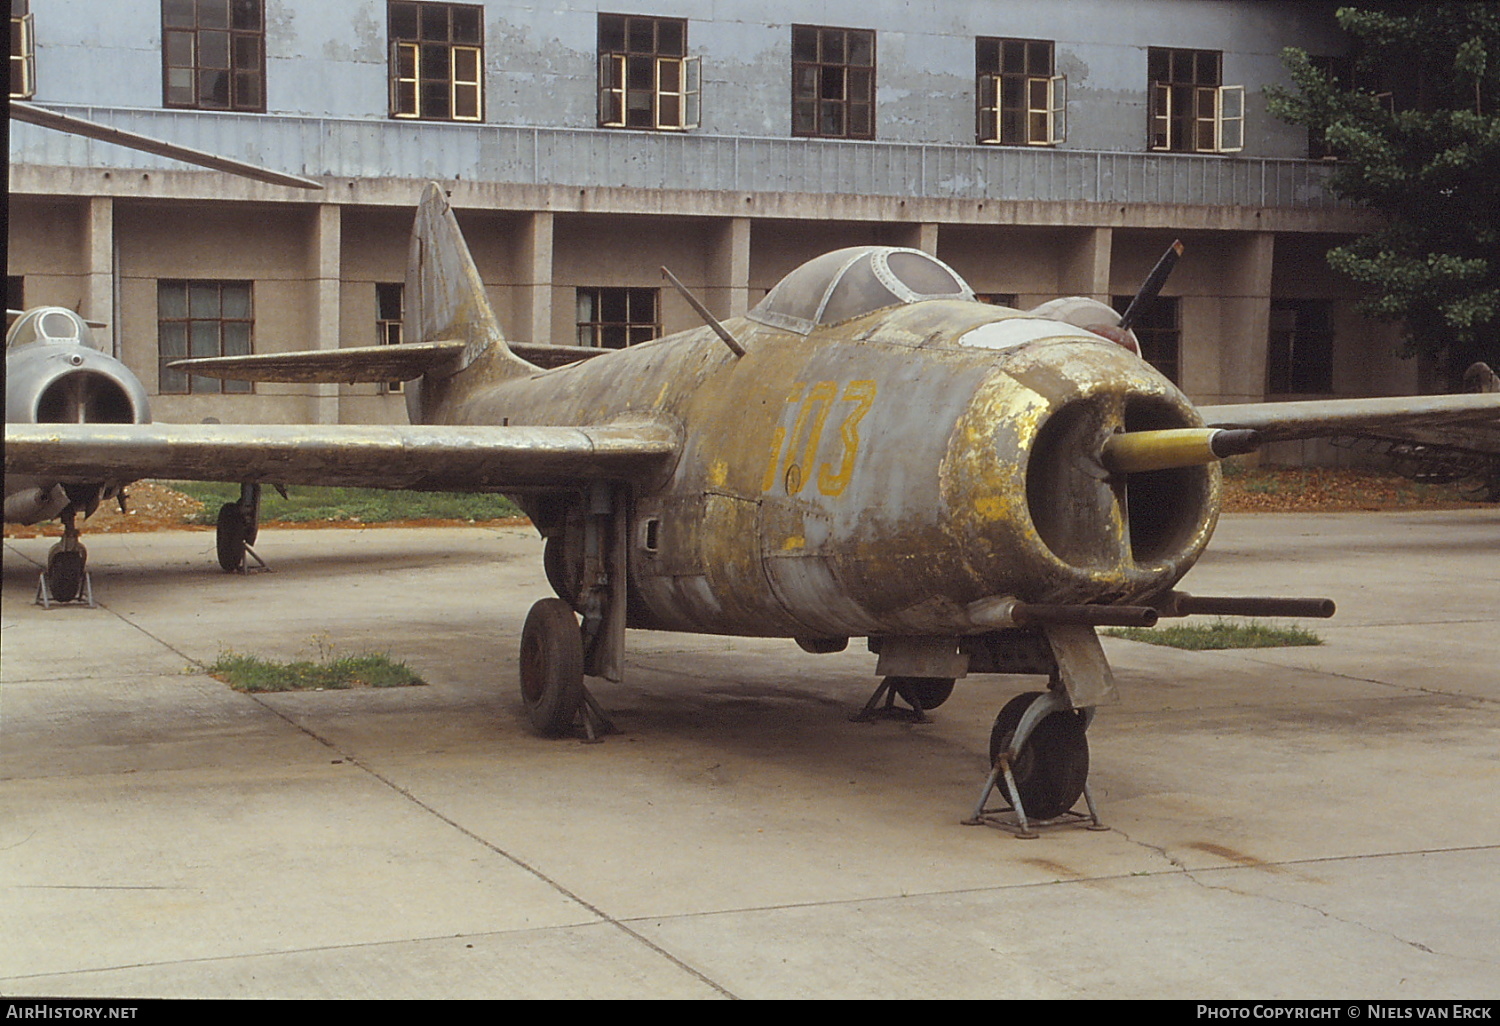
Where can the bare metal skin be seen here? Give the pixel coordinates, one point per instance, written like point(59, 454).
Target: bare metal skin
point(869, 453)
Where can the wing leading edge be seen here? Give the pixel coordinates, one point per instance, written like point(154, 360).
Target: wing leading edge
point(421, 458)
point(1280, 422)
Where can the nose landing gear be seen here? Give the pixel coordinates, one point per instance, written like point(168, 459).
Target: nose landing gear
point(1039, 759)
point(66, 578)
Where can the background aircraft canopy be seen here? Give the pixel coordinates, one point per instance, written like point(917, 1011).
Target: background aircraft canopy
point(851, 282)
point(48, 325)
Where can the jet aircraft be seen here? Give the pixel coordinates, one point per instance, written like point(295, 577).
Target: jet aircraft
point(56, 373)
point(868, 453)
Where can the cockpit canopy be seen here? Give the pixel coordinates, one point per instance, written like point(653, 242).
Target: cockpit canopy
point(49, 325)
point(851, 282)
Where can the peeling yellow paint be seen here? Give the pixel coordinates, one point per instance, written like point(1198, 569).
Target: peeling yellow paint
point(796, 541)
point(718, 473)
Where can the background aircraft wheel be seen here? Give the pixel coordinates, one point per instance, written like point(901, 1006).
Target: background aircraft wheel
point(65, 575)
point(232, 536)
point(923, 692)
point(1053, 765)
point(551, 667)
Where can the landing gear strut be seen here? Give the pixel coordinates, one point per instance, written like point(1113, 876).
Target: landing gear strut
point(66, 577)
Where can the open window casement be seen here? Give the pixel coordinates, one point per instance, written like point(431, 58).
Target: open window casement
point(22, 57)
point(612, 90)
point(465, 69)
point(1161, 116)
point(988, 129)
point(1229, 119)
point(405, 61)
point(1046, 110)
point(679, 86)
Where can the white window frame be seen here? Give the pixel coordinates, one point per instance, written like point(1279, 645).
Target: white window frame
point(27, 57)
point(1051, 108)
point(454, 82)
point(689, 93)
point(397, 46)
point(1224, 123)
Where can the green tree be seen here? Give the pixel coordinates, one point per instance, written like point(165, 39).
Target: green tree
point(1412, 119)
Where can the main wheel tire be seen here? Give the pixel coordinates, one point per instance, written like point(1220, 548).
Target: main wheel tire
point(1053, 765)
point(922, 693)
point(65, 575)
point(231, 535)
point(551, 667)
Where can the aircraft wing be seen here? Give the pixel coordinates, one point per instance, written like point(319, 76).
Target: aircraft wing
point(1393, 416)
point(423, 458)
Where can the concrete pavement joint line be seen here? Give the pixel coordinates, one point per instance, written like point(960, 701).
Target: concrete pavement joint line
point(518, 862)
point(287, 952)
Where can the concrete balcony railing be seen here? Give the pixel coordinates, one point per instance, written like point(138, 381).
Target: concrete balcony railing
point(599, 158)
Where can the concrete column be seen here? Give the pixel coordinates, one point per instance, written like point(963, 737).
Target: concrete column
point(534, 310)
point(728, 292)
point(326, 246)
point(1245, 319)
point(923, 236)
point(1085, 265)
point(99, 255)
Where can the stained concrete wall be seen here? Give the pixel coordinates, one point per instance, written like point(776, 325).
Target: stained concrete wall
point(541, 65)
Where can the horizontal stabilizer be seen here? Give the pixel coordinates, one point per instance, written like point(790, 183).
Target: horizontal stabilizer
point(331, 366)
point(429, 457)
point(554, 356)
point(1280, 422)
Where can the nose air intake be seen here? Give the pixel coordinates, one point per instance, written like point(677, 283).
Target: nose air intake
point(1099, 518)
point(86, 397)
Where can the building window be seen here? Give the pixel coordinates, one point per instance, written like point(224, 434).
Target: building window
point(388, 300)
point(1021, 102)
point(1299, 354)
point(1191, 110)
point(646, 79)
point(437, 61)
point(22, 51)
point(202, 318)
point(214, 54)
point(1159, 330)
point(613, 318)
point(15, 293)
point(833, 82)
point(998, 299)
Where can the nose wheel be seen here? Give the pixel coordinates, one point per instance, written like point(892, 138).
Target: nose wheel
point(1039, 761)
point(66, 578)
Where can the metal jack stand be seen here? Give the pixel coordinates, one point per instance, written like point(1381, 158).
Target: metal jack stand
point(85, 594)
point(1055, 700)
point(1019, 825)
point(596, 721)
point(245, 568)
point(890, 711)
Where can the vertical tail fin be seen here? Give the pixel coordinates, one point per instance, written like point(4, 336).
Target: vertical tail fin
point(445, 300)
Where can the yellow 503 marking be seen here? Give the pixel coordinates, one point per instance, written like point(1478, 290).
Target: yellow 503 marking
point(792, 456)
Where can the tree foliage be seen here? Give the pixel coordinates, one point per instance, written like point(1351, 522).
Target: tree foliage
point(1412, 120)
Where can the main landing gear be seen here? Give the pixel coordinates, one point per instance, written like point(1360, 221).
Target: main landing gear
point(66, 577)
point(238, 526)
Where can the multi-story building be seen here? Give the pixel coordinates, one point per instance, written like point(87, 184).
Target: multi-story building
point(1041, 149)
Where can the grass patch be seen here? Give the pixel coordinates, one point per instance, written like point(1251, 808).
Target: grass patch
point(1219, 634)
point(251, 673)
point(356, 505)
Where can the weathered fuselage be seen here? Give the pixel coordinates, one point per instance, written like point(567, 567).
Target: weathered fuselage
point(874, 476)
